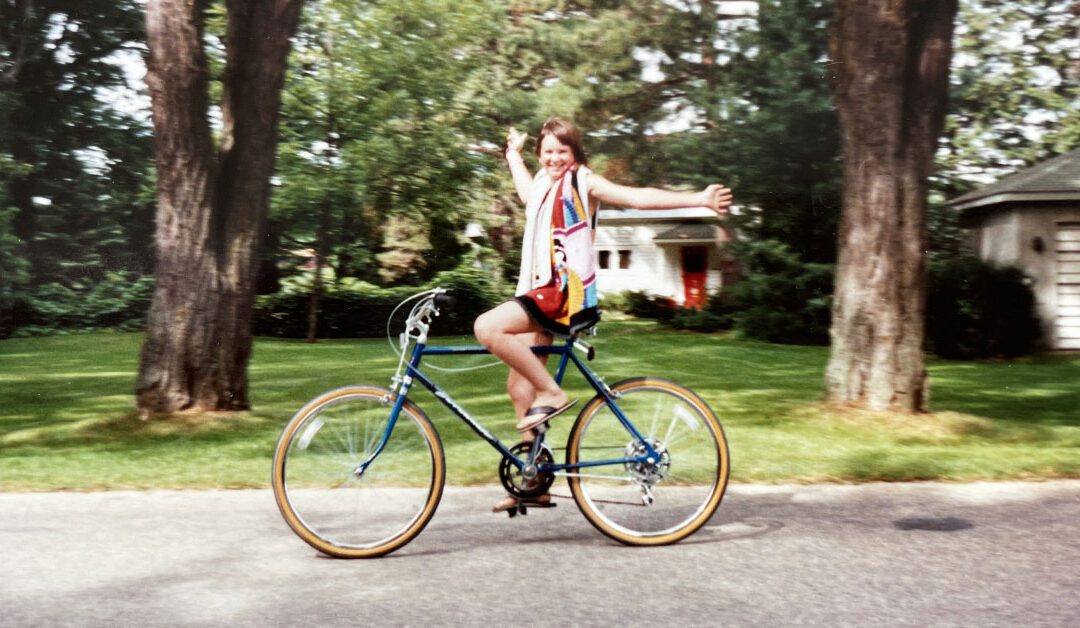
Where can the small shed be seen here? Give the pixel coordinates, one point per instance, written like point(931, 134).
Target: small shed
point(675, 253)
point(1031, 219)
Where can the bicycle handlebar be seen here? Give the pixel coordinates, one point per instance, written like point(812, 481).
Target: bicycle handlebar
point(445, 301)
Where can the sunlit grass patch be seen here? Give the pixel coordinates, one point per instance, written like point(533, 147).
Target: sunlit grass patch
point(67, 416)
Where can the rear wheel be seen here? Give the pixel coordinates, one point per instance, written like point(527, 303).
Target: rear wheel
point(657, 502)
point(334, 503)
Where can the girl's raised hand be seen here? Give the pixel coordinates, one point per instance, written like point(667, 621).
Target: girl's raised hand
point(717, 198)
point(515, 140)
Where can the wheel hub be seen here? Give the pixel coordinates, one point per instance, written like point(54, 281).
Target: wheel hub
point(648, 472)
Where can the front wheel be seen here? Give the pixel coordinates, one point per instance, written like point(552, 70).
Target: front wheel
point(337, 494)
point(648, 503)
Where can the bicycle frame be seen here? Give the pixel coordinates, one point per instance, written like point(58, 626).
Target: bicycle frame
point(566, 356)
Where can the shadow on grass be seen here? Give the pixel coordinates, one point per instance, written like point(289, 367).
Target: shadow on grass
point(1040, 390)
point(131, 435)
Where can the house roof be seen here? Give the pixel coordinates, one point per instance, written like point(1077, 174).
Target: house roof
point(690, 233)
point(1056, 179)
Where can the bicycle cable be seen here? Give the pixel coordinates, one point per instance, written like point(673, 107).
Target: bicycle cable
point(399, 348)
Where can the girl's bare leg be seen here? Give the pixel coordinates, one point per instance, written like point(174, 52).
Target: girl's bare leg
point(508, 332)
point(522, 393)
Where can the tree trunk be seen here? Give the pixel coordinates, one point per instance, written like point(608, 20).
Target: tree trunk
point(891, 62)
point(212, 204)
point(316, 294)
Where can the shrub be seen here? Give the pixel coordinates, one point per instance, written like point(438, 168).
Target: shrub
point(615, 302)
point(119, 301)
point(698, 320)
point(645, 305)
point(976, 309)
point(361, 310)
point(723, 306)
point(780, 298)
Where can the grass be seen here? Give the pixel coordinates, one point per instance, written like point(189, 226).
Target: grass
point(67, 419)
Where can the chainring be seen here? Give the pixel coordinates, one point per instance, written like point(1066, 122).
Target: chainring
point(512, 479)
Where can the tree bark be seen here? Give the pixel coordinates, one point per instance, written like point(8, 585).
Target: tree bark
point(891, 70)
point(316, 294)
point(212, 203)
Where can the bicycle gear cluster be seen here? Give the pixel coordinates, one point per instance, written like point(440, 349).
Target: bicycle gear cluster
point(648, 473)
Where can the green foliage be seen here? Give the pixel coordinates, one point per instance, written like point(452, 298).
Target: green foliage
point(14, 268)
point(474, 293)
point(361, 310)
point(393, 113)
point(698, 320)
point(665, 310)
point(379, 116)
point(645, 305)
point(976, 309)
point(785, 144)
point(82, 168)
point(615, 302)
point(763, 122)
point(121, 300)
point(1015, 96)
point(780, 298)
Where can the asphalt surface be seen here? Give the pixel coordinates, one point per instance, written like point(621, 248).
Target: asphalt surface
point(983, 554)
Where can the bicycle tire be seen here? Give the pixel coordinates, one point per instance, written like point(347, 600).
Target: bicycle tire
point(686, 486)
point(330, 506)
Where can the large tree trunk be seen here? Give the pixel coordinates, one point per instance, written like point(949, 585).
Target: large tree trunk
point(212, 204)
point(891, 62)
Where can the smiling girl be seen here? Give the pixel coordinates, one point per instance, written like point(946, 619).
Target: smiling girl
point(556, 292)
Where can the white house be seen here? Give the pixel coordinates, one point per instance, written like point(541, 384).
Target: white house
point(676, 253)
point(1031, 219)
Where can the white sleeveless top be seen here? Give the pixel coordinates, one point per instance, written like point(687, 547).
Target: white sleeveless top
point(536, 245)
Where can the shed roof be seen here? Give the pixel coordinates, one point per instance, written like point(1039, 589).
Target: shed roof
point(1056, 179)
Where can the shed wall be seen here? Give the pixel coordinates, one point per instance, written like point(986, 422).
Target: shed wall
point(1026, 235)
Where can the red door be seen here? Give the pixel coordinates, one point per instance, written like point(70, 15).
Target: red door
point(693, 275)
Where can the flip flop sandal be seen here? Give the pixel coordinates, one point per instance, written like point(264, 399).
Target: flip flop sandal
point(542, 414)
point(515, 504)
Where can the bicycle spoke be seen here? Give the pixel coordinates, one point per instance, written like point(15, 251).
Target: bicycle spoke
point(339, 511)
point(677, 490)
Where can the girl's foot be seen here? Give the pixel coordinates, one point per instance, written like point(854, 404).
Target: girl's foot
point(511, 502)
point(541, 414)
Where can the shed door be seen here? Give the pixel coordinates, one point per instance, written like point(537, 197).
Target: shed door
point(1068, 285)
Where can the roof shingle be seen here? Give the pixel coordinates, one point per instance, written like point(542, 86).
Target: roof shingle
point(1056, 176)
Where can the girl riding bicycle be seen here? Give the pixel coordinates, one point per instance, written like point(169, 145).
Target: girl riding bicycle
point(556, 293)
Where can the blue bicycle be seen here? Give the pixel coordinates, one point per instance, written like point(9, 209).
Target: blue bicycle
point(359, 471)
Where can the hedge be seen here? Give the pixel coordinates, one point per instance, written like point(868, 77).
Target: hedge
point(362, 311)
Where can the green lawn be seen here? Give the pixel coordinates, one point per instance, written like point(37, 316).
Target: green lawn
point(67, 420)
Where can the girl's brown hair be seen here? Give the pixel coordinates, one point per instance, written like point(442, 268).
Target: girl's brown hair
point(566, 133)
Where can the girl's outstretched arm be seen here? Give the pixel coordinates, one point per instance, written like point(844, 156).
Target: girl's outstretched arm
point(716, 197)
point(515, 141)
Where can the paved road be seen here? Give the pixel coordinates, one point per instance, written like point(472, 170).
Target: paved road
point(993, 554)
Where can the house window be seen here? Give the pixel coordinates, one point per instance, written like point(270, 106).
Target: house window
point(624, 259)
point(605, 260)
